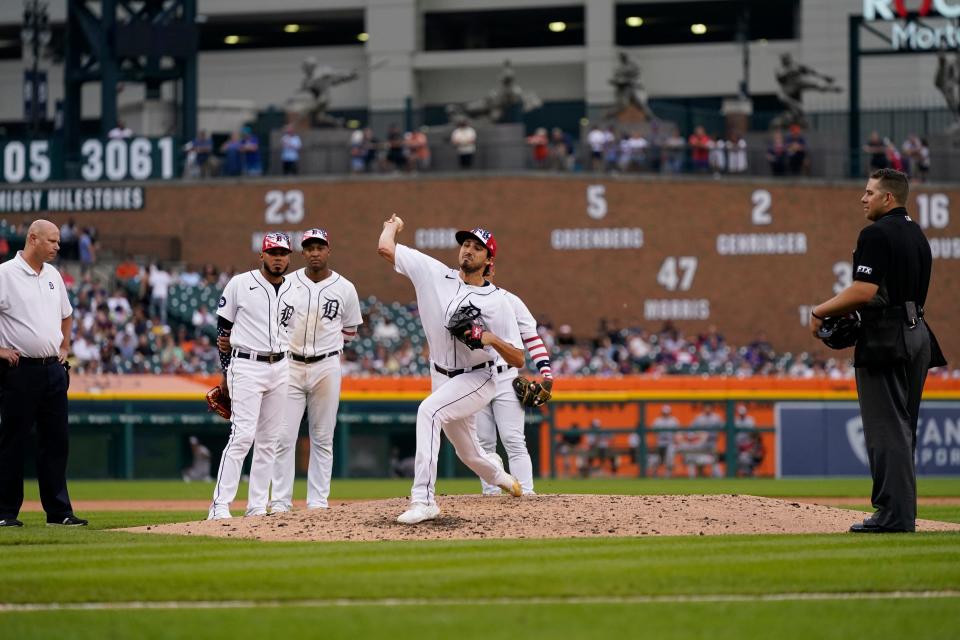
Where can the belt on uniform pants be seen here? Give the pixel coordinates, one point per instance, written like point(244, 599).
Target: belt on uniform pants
point(259, 357)
point(37, 361)
point(898, 311)
point(312, 359)
point(452, 373)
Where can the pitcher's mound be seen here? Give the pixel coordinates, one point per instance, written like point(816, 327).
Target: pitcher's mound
point(544, 516)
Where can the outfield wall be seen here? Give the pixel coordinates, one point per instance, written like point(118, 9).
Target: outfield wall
point(747, 256)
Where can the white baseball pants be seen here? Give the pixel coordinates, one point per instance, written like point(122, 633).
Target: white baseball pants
point(451, 408)
point(258, 393)
point(315, 386)
point(505, 415)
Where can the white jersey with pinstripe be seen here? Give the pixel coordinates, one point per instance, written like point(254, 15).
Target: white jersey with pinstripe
point(327, 312)
point(261, 314)
point(440, 293)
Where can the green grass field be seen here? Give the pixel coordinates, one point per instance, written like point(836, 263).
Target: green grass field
point(97, 583)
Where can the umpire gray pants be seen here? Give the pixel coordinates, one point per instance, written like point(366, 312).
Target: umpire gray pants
point(890, 406)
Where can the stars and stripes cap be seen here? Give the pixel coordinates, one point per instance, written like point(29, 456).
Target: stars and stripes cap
point(483, 236)
point(275, 240)
point(315, 234)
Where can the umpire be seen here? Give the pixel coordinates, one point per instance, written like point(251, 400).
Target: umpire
point(35, 323)
point(891, 275)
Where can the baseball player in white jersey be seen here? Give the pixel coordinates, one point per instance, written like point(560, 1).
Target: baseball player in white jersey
point(256, 310)
point(462, 377)
point(505, 414)
point(327, 315)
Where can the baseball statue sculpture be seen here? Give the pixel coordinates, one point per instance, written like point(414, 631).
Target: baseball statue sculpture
point(947, 80)
point(505, 103)
point(795, 78)
point(313, 97)
point(629, 90)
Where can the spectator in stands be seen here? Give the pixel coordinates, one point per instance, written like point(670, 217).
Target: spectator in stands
point(417, 149)
point(657, 141)
point(796, 145)
point(395, 151)
point(232, 151)
point(718, 156)
point(203, 318)
point(597, 141)
point(120, 132)
point(385, 329)
point(700, 150)
point(633, 152)
point(211, 277)
point(203, 150)
point(127, 270)
point(87, 249)
point(250, 145)
point(923, 170)
point(159, 280)
point(877, 151)
point(736, 154)
point(371, 151)
point(540, 148)
point(69, 237)
point(358, 152)
point(189, 277)
point(565, 336)
point(562, 156)
point(464, 139)
point(611, 150)
point(894, 159)
point(673, 150)
point(777, 154)
point(290, 145)
point(119, 306)
point(911, 153)
point(663, 455)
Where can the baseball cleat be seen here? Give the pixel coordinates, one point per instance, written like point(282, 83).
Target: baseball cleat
point(252, 513)
point(10, 522)
point(279, 509)
point(69, 521)
point(512, 486)
point(218, 513)
point(418, 512)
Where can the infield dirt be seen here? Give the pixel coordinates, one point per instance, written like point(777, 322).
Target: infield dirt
point(544, 516)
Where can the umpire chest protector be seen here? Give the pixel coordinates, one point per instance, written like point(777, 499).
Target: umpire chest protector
point(893, 254)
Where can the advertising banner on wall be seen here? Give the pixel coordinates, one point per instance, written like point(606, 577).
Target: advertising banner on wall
point(826, 439)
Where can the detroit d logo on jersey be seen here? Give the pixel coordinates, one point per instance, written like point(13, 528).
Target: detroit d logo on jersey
point(286, 315)
point(331, 309)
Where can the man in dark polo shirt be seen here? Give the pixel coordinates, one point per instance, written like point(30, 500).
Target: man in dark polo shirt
point(35, 322)
point(891, 275)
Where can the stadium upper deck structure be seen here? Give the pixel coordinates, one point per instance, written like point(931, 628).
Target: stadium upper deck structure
point(427, 53)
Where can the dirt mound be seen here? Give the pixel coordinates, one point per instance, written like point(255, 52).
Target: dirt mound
point(544, 516)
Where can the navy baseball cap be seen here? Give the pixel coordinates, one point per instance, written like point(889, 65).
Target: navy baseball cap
point(483, 236)
point(315, 234)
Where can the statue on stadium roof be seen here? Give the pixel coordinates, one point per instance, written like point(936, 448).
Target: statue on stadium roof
point(630, 92)
point(505, 103)
point(313, 97)
point(795, 78)
point(947, 80)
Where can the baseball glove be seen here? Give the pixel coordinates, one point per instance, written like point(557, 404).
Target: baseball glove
point(531, 393)
point(840, 332)
point(219, 402)
point(465, 326)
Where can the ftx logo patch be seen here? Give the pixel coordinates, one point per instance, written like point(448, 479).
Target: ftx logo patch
point(864, 269)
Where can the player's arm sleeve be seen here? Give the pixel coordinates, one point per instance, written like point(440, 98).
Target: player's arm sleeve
point(532, 341)
point(504, 325)
point(223, 329)
point(871, 260)
point(415, 265)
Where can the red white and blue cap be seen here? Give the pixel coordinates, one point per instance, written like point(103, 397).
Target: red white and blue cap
point(482, 236)
point(275, 240)
point(315, 234)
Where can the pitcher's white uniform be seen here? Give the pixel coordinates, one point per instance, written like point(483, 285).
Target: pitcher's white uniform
point(505, 414)
point(327, 315)
point(462, 379)
point(257, 383)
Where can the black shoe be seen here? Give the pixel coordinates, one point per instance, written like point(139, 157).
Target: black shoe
point(69, 521)
point(869, 527)
point(10, 522)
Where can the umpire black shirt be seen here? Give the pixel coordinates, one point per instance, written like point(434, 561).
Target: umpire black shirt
point(894, 254)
